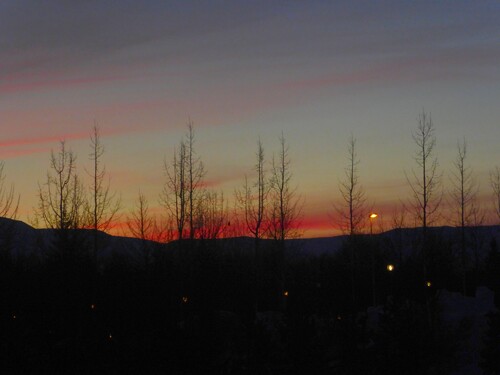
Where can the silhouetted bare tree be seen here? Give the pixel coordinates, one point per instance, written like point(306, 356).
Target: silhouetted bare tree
point(426, 183)
point(195, 174)
point(285, 203)
point(61, 199)
point(104, 205)
point(252, 197)
point(285, 210)
point(352, 211)
point(183, 188)
point(62, 206)
point(463, 195)
point(174, 192)
point(495, 185)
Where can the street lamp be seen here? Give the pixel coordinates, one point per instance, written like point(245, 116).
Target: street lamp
point(372, 216)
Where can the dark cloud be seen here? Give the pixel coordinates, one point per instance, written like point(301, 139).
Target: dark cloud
point(49, 35)
point(51, 40)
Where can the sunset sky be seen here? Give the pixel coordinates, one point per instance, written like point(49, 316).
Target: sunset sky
point(317, 70)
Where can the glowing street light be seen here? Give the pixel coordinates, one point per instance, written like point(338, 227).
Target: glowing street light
point(428, 284)
point(390, 269)
point(285, 293)
point(372, 216)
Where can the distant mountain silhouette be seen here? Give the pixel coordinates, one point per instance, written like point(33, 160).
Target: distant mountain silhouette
point(23, 239)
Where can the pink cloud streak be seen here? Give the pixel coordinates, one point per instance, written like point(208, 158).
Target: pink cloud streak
point(42, 140)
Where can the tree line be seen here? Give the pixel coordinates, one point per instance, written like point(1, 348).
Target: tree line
point(268, 204)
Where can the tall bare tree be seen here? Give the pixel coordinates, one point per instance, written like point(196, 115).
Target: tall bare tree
point(464, 187)
point(195, 173)
point(252, 197)
point(495, 186)
point(104, 205)
point(61, 199)
point(426, 182)
point(62, 206)
point(183, 188)
point(285, 203)
point(285, 209)
point(352, 210)
point(463, 195)
point(174, 193)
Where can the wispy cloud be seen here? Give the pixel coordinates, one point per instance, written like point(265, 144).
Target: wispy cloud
point(19, 147)
point(10, 86)
point(41, 140)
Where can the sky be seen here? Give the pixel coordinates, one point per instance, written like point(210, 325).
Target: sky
point(318, 71)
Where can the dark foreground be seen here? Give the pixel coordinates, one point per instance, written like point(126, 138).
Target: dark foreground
point(202, 310)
